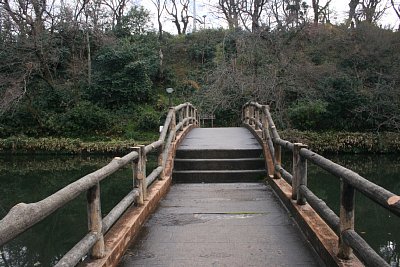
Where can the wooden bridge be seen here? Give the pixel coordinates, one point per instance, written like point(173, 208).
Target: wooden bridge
point(219, 210)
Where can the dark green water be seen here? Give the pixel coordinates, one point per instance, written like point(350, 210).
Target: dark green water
point(377, 226)
point(31, 178)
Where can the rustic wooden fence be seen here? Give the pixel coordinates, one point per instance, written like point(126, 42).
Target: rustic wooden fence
point(23, 216)
point(258, 118)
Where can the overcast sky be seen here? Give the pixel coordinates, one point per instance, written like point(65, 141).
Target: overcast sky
point(202, 8)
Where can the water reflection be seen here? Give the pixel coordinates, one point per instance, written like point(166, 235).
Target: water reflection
point(389, 253)
point(32, 178)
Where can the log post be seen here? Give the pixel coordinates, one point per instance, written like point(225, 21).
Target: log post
point(187, 115)
point(95, 221)
point(138, 175)
point(143, 161)
point(172, 125)
point(160, 161)
point(181, 118)
point(299, 170)
point(278, 160)
point(246, 114)
point(251, 115)
point(191, 114)
point(265, 127)
point(257, 117)
point(347, 200)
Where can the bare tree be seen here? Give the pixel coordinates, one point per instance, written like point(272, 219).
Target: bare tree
point(396, 8)
point(160, 6)
point(320, 10)
point(117, 8)
point(179, 11)
point(352, 12)
point(230, 9)
point(372, 10)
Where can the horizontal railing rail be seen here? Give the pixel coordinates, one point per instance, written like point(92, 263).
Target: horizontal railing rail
point(258, 118)
point(23, 216)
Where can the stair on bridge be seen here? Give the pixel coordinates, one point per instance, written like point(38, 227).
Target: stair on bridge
point(219, 155)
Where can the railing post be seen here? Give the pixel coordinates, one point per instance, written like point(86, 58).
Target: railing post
point(187, 114)
point(140, 174)
point(160, 161)
point(172, 126)
point(181, 117)
point(251, 115)
point(347, 199)
point(299, 171)
point(191, 112)
point(257, 117)
point(278, 160)
point(246, 114)
point(95, 221)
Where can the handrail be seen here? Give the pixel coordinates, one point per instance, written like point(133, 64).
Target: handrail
point(258, 118)
point(23, 216)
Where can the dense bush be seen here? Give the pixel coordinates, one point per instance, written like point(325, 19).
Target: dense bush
point(308, 114)
point(82, 120)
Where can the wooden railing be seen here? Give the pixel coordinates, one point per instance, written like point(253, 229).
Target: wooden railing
point(258, 118)
point(23, 216)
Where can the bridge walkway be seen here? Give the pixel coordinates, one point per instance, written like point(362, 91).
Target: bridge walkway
point(220, 224)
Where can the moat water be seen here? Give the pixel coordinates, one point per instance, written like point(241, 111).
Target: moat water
point(31, 178)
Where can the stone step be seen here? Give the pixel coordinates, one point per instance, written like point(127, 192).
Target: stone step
point(217, 153)
point(218, 176)
point(219, 164)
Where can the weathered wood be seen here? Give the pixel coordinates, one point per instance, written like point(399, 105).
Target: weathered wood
point(246, 115)
point(362, 250)
point(142, 162)
point(187, 115)
point(369, 189)
point(321, 208)
point(168, 121)
point(275, 134)
point(347, 199)
point(23, 216)
point(153, 175)
point(160, 162)
point(75, 255)
point(299, 173)
point(284, 174)
point(138, 176)
point(119, 209)
point(278, 160)
point(153, 146)
point(95, 220)
point(283, 143)
point(257, 119)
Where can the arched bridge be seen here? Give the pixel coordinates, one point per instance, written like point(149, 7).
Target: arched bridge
point(218, 197)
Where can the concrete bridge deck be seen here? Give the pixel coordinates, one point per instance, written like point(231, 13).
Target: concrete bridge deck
point(234, 224)
point(220, 224)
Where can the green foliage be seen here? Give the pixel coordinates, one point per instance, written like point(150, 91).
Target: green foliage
point(64, 145)
point(123, 73)
point(135, 22)
point(306, 114)
point(83, 119)
point(147, 119)
point(345, 142)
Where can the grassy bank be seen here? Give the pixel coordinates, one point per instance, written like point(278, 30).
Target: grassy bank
point(326, 142)
point(346, 142)
point(68, 145)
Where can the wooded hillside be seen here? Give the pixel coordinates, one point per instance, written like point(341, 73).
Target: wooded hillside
point(98, 69)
